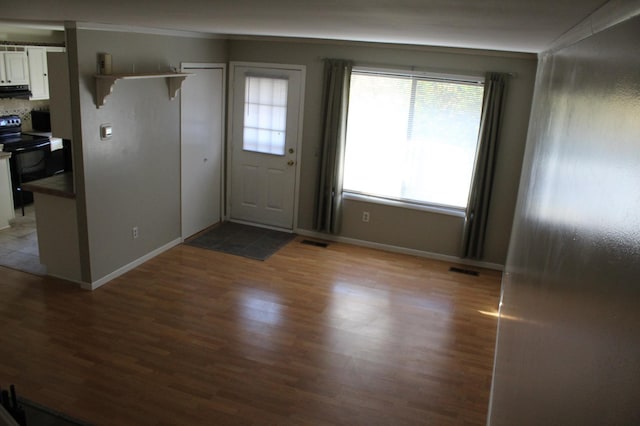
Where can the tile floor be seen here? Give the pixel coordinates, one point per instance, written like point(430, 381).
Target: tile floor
point(19, 244)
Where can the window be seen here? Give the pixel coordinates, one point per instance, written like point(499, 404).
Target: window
point(265, 115)
point(412, 138)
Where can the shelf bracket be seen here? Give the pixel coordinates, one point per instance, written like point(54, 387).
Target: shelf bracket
point(105, 83)
point(175, 83)
point(104, 87)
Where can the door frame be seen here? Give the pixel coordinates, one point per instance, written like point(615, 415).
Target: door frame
point(184, 66)
point(296, 190)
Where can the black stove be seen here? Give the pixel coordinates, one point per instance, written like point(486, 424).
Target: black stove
point(31, 157)
point(13, 140)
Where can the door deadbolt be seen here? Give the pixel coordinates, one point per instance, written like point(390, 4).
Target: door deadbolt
point(290, 150)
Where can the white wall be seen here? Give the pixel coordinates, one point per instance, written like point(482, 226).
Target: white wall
point(390, 225)
point(568, 351)
point(134, 178)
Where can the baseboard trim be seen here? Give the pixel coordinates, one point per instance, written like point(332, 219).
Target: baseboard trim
point(398, 249)
point(126, 268)
point(304, 232)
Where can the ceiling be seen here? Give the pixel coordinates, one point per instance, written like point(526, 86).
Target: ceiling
point(509, 25)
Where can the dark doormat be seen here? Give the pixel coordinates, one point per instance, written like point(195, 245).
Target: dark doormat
point(243, 240)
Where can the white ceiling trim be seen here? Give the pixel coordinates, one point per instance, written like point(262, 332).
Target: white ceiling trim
point(140, 30)
point(40, 25)
point(609, 14)
point(526, 26)
point(386, 45)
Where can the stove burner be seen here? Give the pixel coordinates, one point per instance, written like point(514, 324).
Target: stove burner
point(24, 142)
point(13, 140)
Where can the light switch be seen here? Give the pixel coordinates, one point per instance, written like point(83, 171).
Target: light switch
point(106, 131)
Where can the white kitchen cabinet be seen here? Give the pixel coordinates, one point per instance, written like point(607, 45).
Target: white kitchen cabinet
point(38, 74)
point(6, 193)
point(14, 68)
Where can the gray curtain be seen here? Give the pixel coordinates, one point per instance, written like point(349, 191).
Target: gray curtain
point(337, 76)
point(475, 226)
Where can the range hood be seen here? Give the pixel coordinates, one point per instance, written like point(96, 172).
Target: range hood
point(18, 92)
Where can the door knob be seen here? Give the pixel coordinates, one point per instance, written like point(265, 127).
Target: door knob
point(290, 162)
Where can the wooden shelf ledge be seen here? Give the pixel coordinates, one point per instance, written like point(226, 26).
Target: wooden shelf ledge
point(105, 83)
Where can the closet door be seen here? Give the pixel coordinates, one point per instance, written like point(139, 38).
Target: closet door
point(202, 136)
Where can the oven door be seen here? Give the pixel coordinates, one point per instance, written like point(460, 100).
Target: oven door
point(28, 164)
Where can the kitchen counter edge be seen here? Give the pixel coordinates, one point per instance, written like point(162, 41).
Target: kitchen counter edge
point(60, 185)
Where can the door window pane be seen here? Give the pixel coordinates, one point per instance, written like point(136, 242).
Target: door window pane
point(265, 115)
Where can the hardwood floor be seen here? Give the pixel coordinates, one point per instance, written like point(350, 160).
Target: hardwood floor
point(312, 336)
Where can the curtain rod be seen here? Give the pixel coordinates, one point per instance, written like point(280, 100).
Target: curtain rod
point(417, 68)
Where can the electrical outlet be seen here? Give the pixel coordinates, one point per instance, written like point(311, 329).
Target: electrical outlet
point(134, 232)
point(365, 216)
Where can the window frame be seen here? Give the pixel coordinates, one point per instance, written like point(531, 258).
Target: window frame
point(432, 207)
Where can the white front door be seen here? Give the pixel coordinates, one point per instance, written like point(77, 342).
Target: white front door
point(265, 137)
point(202, 121)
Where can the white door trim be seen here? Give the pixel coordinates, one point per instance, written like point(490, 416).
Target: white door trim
point(184, 67)
point(303, 75)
